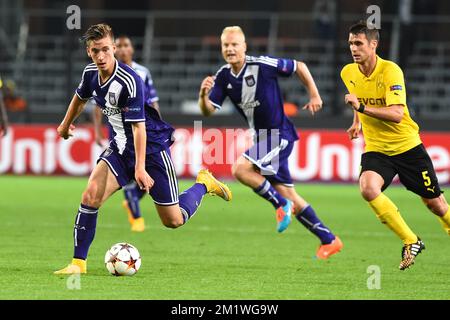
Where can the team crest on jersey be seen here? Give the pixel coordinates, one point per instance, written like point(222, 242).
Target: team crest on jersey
point(250, 80)
point(380, 83)
point(112, 98)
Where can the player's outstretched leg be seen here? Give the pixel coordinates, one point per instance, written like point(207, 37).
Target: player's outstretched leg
point(102, 183)
point(389, 215)
point(131, 205)
point(305, 214)
point(244, 171)
point(176, 215)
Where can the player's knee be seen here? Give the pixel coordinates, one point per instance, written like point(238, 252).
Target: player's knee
point(173, 222)
point(369, 192)
point(90, 196)
point(237, 170)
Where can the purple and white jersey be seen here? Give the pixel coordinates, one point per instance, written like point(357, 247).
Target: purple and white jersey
point(256, 94)
point(121, 99)
point(150, 94)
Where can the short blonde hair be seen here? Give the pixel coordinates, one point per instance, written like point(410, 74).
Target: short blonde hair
point(230, 29)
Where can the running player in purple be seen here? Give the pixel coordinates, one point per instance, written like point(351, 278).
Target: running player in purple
point(251, 83)
point(139, 148)
point(124, 53)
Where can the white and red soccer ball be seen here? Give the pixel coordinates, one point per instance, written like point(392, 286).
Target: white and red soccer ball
point(123, 259)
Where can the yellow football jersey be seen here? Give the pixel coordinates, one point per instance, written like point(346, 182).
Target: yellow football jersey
point(384, 87)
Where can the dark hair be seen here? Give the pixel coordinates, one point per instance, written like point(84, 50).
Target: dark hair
point(97, 32)
point(367, 28)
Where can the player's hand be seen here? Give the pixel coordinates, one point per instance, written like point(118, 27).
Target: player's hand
point(352, 100)
point(353, 131)
point(314, 105)
point(144, 181)
point(65, 132)
point(206, 86)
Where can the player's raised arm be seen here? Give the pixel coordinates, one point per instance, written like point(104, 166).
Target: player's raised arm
point(204, 103)
point(75, 108)
point(315, 101)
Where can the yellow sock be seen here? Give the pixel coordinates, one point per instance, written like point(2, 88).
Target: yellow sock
point(445, 221)
point(387, 212)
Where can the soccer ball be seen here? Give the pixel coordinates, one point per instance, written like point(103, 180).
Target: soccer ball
point(122, 259)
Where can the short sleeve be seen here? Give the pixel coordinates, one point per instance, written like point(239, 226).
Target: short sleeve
point(84, 92)
point(134, 107)
point(395, 86)
point(218, 94)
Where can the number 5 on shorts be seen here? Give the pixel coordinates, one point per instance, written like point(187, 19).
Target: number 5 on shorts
point(426, 178)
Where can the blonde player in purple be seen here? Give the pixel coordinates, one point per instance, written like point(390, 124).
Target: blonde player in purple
point(251, 83)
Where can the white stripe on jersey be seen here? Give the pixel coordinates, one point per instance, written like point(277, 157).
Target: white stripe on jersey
point(122, 73)
point(262, 59)
point(248, 93)
point(134, 120)
point(127, 83)
point(170, 171)
point(89, 67)
point(116, 120)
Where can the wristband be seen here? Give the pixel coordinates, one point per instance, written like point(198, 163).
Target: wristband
point(361, 108)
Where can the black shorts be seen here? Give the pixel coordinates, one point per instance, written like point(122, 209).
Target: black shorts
point(414, 168)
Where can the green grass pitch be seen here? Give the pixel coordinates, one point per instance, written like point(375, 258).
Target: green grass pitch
point(227, 251)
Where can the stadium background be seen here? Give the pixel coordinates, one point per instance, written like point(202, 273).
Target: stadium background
point(42, 60)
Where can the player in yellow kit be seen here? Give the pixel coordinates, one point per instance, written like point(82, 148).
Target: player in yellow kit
point(377, 94)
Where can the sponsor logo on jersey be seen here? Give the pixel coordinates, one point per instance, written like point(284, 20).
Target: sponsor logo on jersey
point(249, 105)
point(250, 80)
point(372, 101)
point(396, 87)
point(109, 111)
